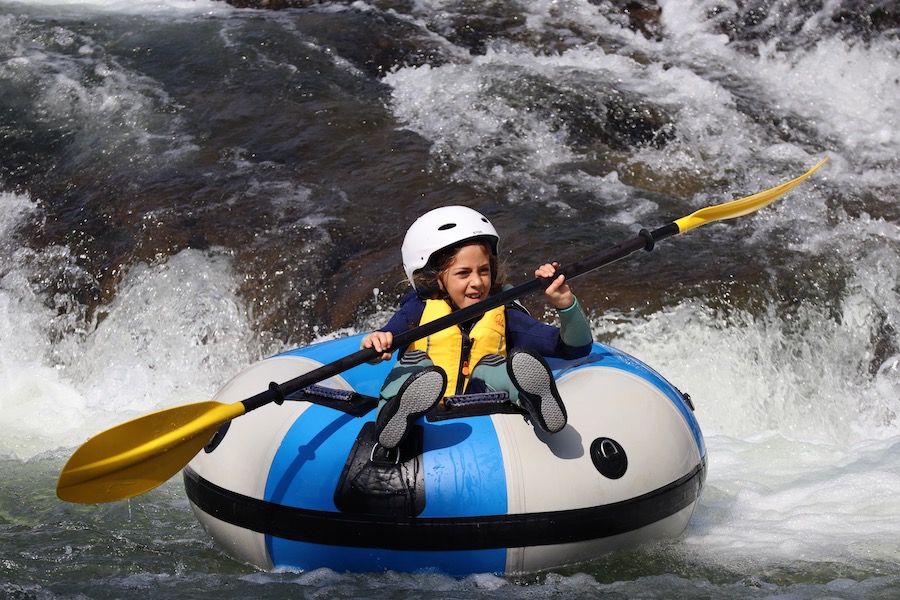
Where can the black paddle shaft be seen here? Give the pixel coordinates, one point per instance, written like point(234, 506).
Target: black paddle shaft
point(645, 240)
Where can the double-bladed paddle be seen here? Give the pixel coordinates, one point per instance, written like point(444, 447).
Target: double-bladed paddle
point(137, 456)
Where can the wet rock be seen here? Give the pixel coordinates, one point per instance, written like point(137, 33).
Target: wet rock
point(641, 16)
point(374, 41)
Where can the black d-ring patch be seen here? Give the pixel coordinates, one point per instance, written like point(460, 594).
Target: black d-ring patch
point(609, 457)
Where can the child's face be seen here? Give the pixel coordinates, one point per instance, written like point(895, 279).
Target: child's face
point(468, 278)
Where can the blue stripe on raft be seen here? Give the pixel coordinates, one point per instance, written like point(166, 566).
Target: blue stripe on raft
point(304, 474)
point(463, 479)
point(460, 480)
point(308, 464)
point(304, 556)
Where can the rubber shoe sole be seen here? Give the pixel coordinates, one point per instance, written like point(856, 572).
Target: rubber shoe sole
point(417, 395)
point(538, 394)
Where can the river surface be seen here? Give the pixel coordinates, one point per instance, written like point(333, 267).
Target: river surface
point(188, 187)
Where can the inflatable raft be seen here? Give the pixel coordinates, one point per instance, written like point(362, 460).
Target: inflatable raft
point(479, 489)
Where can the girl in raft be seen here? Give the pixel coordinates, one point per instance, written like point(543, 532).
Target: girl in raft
point(450, 256)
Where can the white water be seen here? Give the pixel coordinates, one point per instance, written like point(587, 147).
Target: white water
point(172, 335)
point(800, 414)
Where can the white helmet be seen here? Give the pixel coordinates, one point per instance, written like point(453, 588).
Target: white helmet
point(441, 228)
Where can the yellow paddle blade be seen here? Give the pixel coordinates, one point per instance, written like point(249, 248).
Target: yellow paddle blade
point(137, 456)
point(742, 206)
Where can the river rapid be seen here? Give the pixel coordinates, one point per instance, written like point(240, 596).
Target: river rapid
point(188, 187)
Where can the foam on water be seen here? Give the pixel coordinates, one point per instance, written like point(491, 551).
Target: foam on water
point(823, 86)
point(174, 333)
point(804, 443)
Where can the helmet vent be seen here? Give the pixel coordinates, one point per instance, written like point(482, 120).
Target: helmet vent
point(447, 226)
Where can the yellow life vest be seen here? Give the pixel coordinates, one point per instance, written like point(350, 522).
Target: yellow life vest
point(456, 354)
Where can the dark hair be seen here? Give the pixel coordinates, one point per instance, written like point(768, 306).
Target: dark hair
point(427, 279)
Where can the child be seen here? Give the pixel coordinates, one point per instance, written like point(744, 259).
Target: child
point(450, 258)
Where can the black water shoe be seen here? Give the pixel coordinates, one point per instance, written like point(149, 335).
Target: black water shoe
point(417, 395)
point(538, 395)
